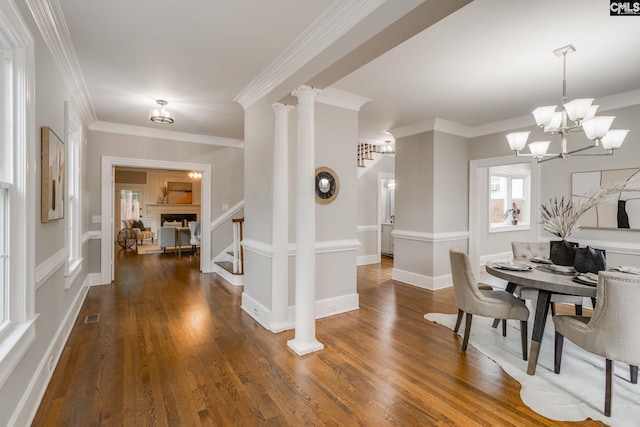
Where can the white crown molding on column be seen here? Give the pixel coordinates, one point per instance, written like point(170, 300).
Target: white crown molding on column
point(342, 99)
point(50, 20)
point(100, 126)
point(334, 22)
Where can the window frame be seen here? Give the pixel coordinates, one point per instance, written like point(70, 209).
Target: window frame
point(525, 222)
point(73, 136)
point(18, 153)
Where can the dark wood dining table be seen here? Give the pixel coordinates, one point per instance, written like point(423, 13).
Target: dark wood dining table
point(547, 283)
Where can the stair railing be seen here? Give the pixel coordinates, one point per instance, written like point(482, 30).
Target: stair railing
point(238, 253)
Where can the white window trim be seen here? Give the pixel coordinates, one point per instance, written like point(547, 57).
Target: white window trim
point(19, 333)
point(73, 233)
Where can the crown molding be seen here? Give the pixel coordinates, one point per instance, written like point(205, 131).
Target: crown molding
point(607, 103)
point(50, 21)
point(342, 99)
point(334, 22)
point(100, 126)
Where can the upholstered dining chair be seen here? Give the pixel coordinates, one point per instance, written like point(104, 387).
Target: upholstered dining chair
point(612, 331)
point(473, 299)
point(194, 229)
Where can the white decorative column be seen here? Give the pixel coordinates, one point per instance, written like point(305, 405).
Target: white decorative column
point(305, 314)
point(280, 263)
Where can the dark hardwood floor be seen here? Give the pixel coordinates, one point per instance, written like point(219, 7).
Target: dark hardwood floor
point(173, 348)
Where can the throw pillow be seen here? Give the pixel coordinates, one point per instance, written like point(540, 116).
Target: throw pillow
point(590, 260)
point(138, 224)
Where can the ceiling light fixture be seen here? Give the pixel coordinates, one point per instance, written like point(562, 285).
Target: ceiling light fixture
point(577, 115)
point(161, 114)
point(195, 174)
point(387, 148)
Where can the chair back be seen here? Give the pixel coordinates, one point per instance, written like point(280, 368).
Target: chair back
point(465, 286)
point(616, 318)
point(194, 229)
point(528, 250)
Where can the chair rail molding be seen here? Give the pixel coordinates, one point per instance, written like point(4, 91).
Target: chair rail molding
point(227, 215)
point(430, 237)
point(50, 266)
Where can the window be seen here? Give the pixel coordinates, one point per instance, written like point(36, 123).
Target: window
point(74, 225)
point(17, 189)
point(509, 203)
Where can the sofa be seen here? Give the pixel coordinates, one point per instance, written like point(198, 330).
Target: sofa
point(139, 229)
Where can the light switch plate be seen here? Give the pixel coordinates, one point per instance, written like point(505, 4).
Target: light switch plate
point(96, 219)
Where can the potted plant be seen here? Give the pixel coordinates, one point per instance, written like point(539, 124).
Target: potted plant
point(562, 218)
point(514, 213)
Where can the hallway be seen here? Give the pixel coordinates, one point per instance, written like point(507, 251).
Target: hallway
point(174, 348)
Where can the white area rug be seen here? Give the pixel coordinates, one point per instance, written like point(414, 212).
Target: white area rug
point(576, 394)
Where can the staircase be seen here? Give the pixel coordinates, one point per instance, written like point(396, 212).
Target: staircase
point(369, 154)
point(232, 268)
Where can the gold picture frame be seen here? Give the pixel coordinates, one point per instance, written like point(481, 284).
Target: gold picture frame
point(52, 182)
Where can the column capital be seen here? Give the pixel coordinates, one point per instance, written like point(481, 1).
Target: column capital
point(306, 91)
point(281, 110)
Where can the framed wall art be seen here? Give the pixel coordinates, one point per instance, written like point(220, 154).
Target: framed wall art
point(52, 185)
point(620, 210)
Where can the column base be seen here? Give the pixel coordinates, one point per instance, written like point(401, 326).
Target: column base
point(277, 327)
point(302, 348)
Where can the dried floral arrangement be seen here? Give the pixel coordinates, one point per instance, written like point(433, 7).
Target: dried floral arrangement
point(562, 218)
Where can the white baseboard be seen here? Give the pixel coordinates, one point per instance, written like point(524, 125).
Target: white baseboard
point(368, 259)
point(253, 308)
point(93, 279)
point(324, 308)
point(332, 306)
point(30, 401)
point(234, 279)
point(422, 281)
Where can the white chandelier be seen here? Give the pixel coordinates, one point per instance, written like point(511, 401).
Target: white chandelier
point(387, 148)
point(577, 115)
point(161, 114)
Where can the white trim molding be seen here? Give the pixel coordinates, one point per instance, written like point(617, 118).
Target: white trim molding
point(342, 99)
point(50, 266)
point(422, 281)
point(333, 23)
point(142, 131)
point(227, 215)
point(90, 235)
point(430, 237)
point(367, 228)
point(50, 21)
point(367, 259)
point(256, 247)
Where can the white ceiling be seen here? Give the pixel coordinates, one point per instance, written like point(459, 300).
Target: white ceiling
point(489, 61)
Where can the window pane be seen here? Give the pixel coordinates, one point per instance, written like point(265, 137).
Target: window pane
point(498, 202)
point(4, 193)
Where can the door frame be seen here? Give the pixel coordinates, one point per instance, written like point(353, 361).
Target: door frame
point(107, 188)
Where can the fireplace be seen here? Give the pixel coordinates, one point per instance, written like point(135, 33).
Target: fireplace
point(177, 217)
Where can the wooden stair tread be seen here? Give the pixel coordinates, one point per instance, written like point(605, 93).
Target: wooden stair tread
point(227, 265)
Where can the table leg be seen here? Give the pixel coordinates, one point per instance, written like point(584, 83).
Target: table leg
point(542, 308)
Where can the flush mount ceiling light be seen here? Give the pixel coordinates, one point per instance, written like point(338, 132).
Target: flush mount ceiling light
point(160, 114)
point(577, 115)
point(195, 174)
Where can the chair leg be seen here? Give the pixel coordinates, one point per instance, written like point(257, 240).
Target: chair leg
point(504, 327)
point(458, 321)
point(467, 330)
point(523, 338)
point(578, 309)
point(633, 371)
point(608, 387)
point(557, 357)
point(553, 308)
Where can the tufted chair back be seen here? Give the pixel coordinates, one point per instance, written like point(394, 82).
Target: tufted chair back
point(528, 250)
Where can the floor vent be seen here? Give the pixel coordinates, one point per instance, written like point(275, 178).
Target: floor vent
point(92, 318)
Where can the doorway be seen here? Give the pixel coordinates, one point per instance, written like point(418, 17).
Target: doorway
point(386, 213)
point(108, 188)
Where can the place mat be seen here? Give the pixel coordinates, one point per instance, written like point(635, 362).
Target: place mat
point(546, 269)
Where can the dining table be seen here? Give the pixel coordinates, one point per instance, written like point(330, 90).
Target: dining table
point(547, 282)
